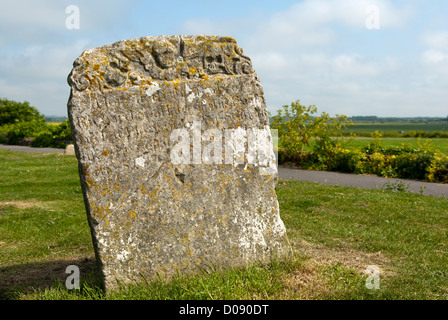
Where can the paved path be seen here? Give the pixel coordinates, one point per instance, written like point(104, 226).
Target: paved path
point(30, 149)
point(361, 181)
point(324, 177)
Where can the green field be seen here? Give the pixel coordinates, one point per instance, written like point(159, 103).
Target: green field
point(439, 143)
point(336, 232)
point(399, 127)
point(360, 142)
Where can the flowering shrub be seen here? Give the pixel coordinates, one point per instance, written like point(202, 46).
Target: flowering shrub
point(438, 169)
point(298, 127)
point(332, 154)
point(377, 163)
point(347, 160)
point(420, 163)
point(412, 165)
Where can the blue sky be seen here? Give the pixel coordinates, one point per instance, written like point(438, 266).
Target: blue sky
point(316, 51)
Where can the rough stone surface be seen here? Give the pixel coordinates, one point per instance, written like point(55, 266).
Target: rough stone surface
point(149, 214)
point(69, 150)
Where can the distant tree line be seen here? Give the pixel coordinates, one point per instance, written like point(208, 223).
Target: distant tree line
point(396, 119)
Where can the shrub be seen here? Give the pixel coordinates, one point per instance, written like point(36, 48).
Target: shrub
point(14, 112)
point(438, 169)
point(331, 154)
point(22, 130)
point(412, 165)
point(4, 133)
point(287, 157)
point(298, 125)
point(347, 160)
point(43, 139)
point(377, 163)
point(55, 136)
point(62, 134)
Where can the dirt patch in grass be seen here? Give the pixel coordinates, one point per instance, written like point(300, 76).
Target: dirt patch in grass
point(349, 258)
point(308, 282)
point(20, 204)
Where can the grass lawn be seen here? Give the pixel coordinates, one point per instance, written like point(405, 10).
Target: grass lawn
point(336, 232)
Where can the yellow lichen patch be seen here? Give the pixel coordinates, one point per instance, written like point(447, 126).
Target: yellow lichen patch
point(105, 191)
point(132, 214)
point(176, 83)
point(143, 190)
point(153, 195)
point(100, 212)
point(106, 153)
point(90, 182)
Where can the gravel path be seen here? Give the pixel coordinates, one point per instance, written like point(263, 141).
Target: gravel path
point(324, 177)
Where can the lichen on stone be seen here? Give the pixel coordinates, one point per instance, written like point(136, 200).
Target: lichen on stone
point(147, 214)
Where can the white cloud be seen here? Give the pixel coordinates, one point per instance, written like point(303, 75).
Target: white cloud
point(318, 51)
point(434, 57)
point(436, 39)
point(38, 74)
point(312, 23)
point(38, 13)
point(434, 62)
point(354, 65)
point(44, 21)
point(37, 49)
point(40, 61)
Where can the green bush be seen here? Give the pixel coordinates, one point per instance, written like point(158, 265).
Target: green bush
point(376, 163)
point(4, 129)
point(62, 134)
point(12, 112)
point(21, 130)
point(298, 125)
point(412, 165)
point(347, 160)
point(438, 169)
point(43, 139)
point(43, 134)
point(55, 136)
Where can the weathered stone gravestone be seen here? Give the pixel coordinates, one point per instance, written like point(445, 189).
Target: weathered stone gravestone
point(175, 157)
